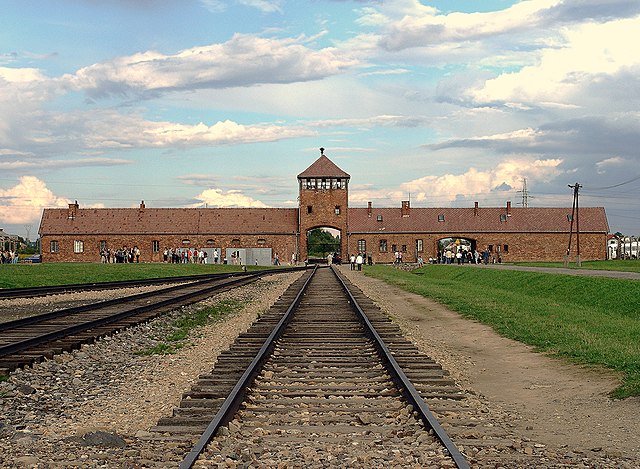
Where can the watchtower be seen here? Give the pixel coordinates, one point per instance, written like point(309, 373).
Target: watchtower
point(324, 201)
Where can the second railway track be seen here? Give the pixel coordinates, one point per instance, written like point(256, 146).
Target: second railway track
point(35, 338)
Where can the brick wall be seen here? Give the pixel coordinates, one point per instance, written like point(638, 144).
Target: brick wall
point(283, 245)
point(519, 247)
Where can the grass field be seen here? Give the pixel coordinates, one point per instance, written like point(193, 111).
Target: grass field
point(627, 265)
point(35, 275)
point(588, 320)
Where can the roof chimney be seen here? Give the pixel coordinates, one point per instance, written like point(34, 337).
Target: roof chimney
point(142, 205)
point(72, 210)
point(369, 209)
point(475, 209)
point(405, 208)
point(508, 208)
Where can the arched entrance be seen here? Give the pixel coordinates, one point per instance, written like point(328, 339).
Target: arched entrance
point(449, 247)
point(322, 241)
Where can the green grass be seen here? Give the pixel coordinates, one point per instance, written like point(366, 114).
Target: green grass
point(590, 321)
point(37, 275)
point(182, 328)
point(627, 265)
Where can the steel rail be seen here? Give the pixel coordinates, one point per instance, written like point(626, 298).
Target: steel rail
point(16, 347)
point(237, 394)
point(406, 386)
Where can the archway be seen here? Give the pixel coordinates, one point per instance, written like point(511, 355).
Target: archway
point(449, 247)
point(323, 241)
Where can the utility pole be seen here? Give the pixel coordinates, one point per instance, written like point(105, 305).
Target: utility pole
point(575, 215)
point(525, 193)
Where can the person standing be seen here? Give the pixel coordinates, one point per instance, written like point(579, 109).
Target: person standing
point(352, 261)
point(359, 261)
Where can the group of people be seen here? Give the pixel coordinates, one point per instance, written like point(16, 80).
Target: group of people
point(358, 260)
point(189, 256)
point(466, 256)
point(124, 255)
point(9, 257)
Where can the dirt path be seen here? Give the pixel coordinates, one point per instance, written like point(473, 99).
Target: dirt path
point(559, 404)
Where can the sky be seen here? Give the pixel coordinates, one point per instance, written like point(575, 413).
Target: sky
point(214, 103)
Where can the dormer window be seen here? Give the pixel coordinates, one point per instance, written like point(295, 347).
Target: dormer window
point(379, 218)
point(441, 217)
point(503, 217)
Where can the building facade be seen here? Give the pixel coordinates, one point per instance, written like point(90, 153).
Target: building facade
point(510, 234)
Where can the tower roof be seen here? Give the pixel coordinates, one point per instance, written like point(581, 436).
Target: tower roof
point(323, 167)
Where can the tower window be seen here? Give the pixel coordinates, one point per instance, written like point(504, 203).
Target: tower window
point(309, 208)
point(337, 209)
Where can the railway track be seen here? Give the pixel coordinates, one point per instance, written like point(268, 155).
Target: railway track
point(35, 338)
point(30, 292)
point(309, 382)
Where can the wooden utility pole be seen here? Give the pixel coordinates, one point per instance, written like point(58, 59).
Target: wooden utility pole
point(575, 215)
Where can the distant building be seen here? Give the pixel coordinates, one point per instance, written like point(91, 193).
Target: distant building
point(258, 234)
point(8, 241)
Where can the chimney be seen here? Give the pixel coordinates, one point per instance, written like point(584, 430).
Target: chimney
point(142, 205)
point(508, 208)
point(73, 208)
point(369, 209)
point(405, 208)
point(475, 209)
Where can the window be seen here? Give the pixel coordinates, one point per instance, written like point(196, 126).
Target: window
point(441, 217)
point(337, 210)
point(491, 248)
point(325, 184)
point(210, 242)
point(379, 218)
point(103, 245)
point(309, 209)
point(383, 245)
point(362, 245)
point(404, 248)
point(262, 241)
point(311, 183)
point(155, 246)
point(394, 247)
point(53, 246)
point(419, 246)
point(235, 242)
point(78, 246)
point(569, 217)
point(503, 217)
point(186, 242)
point(505, 248)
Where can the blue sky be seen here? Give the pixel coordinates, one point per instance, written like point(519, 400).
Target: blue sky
point(222, 103)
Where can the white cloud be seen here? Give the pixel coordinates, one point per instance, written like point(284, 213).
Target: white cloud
point(264, 5)
point(23, 203)
point(232, 198)
point(563, 74)
point(472, 182)
point(242, 61)
point(47, 164)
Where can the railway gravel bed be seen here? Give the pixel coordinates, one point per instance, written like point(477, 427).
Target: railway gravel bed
point(93, 407)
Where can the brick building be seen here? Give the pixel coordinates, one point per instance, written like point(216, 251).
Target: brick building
point(514, 234)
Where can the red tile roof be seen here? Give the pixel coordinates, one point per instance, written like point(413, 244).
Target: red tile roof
point(522, 220)
point(170, 221)
point(323, 167)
